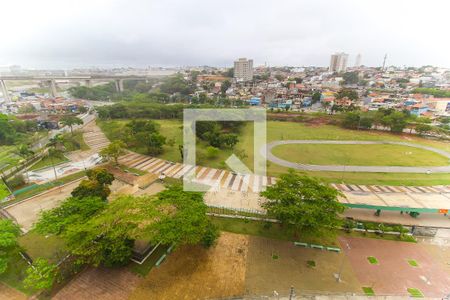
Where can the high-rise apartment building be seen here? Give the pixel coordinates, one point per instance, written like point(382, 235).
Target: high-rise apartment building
point(358, 60)
point(243, 69)
point(338, 62)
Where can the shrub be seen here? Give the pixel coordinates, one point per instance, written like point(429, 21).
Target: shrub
point(16, 181)
point(212, 152)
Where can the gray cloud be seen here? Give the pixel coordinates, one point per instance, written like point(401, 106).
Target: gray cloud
point(51, 33)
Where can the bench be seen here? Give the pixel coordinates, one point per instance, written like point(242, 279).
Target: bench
point(317, 246)
point(338, 250)
point(301, 244)
point(160, 260)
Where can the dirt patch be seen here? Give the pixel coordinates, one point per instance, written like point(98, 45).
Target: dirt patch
point(393, 275)
point(274, 265)
point(193, 272)
point(99, 284)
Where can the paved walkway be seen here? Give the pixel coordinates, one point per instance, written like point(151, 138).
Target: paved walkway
point(79, 160)
point(370, 169)
point(100, 283)
point(215, 178)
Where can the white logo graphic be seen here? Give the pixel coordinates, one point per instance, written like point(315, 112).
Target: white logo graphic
point(191, 116)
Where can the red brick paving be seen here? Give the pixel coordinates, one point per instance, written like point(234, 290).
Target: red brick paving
point(100, 284)
point(393, 275)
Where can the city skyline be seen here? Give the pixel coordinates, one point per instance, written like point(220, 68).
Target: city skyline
point(172, 34)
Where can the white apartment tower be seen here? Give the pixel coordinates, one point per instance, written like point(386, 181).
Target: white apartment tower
point(358, 60)
point(338, 62)
point(243, 69)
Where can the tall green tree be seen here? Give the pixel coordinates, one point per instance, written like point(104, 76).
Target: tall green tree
point(349, 93)
point(226, 84)
point(9, 246)
point(41, 275)
point(350, 77)
point(396, 121)
point(113, 151)
point(97, 184)
point(71, 121)
point(7, 131)
point(303, 201)
point(72, 211)
point(316, 97)
point(187, 223)
point(154, 142)
point(172, 216)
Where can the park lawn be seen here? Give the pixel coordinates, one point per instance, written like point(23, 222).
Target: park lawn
point(4, 192)
point(326, 237)
point(291, 130)
point(172, 130)
point(359, 155)
point(36, 245)
point(275, 231)
point(15, 274)
point(8, 157)
point(75, 142)
point(48, 161)
point(298, 131)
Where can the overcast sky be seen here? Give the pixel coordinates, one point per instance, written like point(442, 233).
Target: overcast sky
point(139, 33)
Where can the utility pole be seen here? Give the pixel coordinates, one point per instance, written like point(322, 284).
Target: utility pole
point(292, 293)
point(384, 62)
point(338, 275)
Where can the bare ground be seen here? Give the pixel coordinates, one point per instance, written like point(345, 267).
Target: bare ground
point(193, 272)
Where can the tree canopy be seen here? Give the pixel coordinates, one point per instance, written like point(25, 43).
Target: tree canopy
point(70, 121)
point(8, 242)
point(41, 275)
point(303, 201)
point(113, 151)
point(72, 211)
point(97, 184)
point(176, 84)
point(349, 93)
point(350, 77)
point(99, 233)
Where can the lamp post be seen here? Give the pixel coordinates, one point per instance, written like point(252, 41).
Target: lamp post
point(338, 275)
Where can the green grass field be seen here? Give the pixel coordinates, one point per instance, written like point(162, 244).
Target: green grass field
point(49, 161)
point(74, 142)
point(15, 274)
point(36, 245)
point(172, 130)
point(8, 157)
point(4, 192)
point(359, 155)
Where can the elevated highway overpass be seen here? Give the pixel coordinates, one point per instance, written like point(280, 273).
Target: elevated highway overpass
point(51, 81)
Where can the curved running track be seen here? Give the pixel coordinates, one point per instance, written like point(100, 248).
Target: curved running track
point(370, 169)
